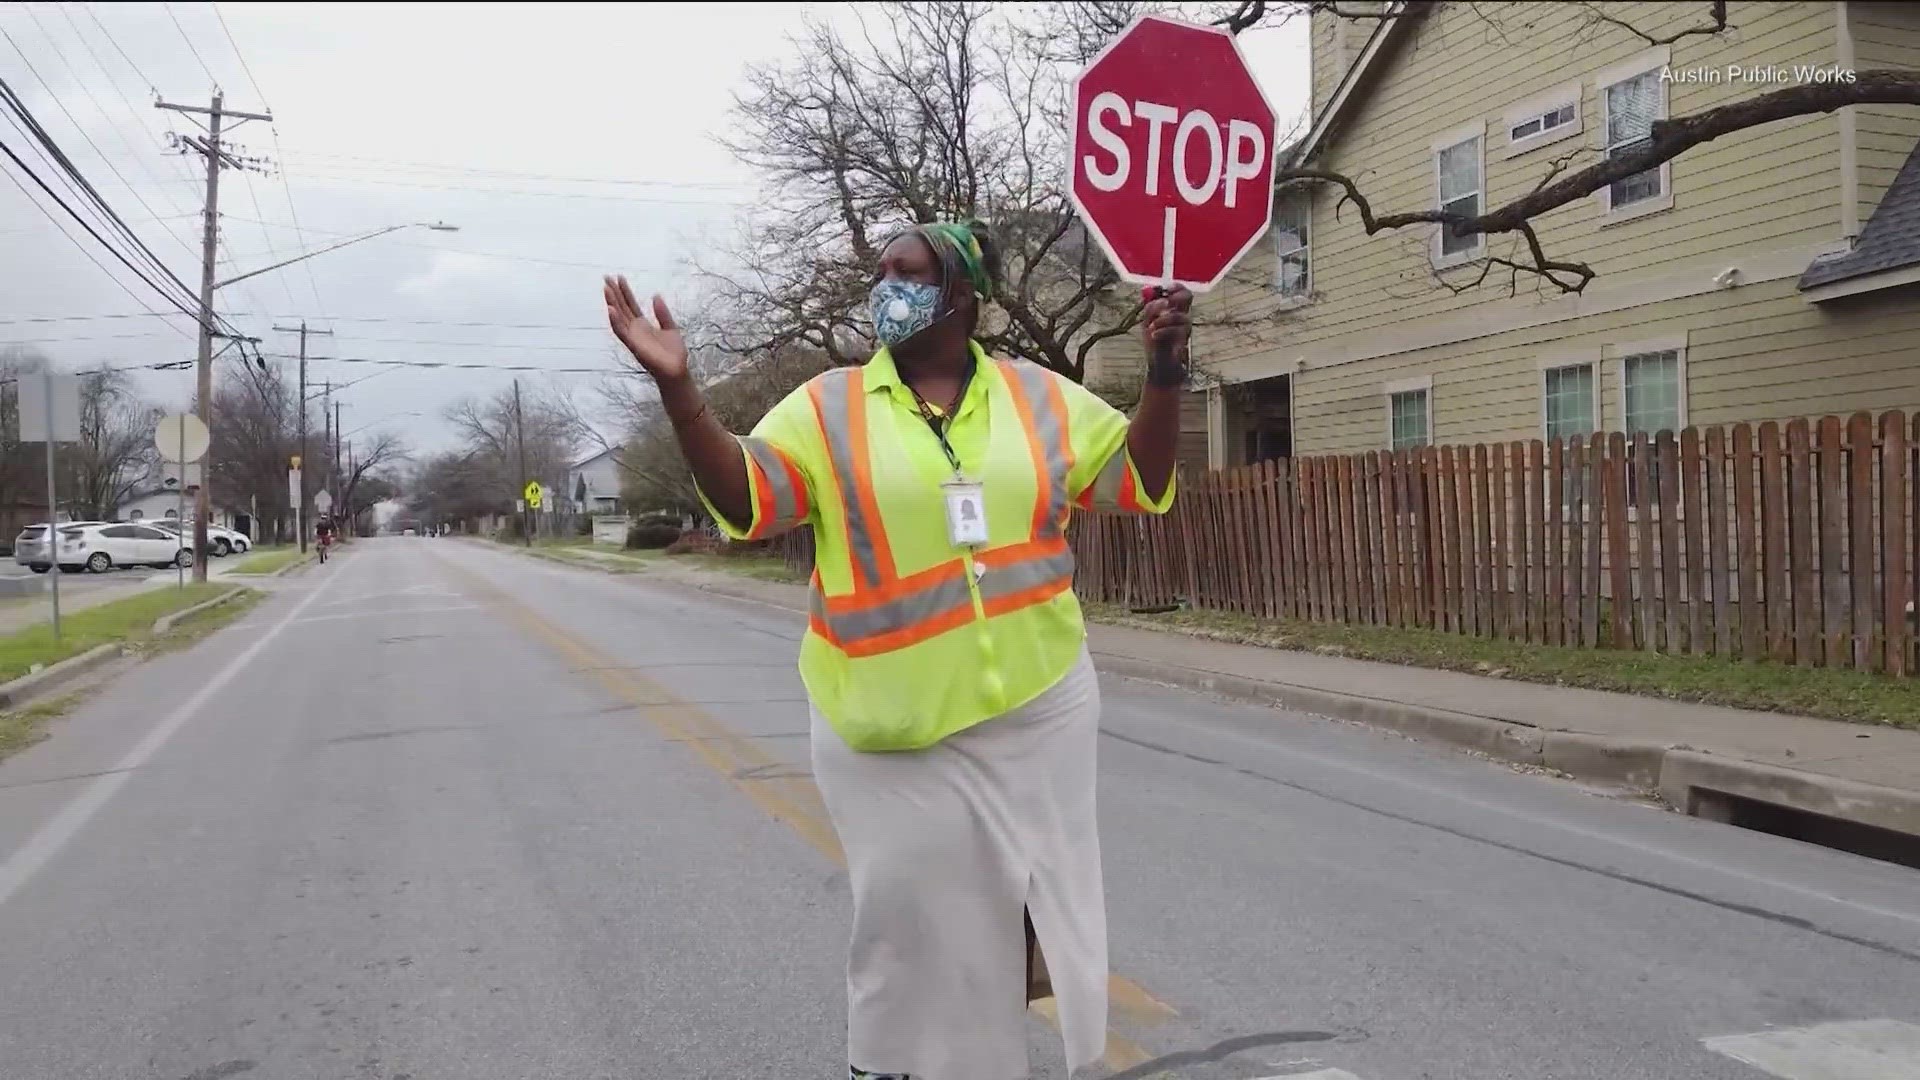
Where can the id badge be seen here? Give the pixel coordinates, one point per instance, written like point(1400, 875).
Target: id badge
point(966, 513)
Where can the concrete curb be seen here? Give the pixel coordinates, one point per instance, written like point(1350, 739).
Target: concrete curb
point(26, 687)
point(166, 622)
point(1679, 774)
point(304, 560)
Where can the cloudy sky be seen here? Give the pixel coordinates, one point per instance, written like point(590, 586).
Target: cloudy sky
point(563, 140)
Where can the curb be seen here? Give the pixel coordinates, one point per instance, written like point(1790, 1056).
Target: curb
point(29, 686)
point(165, 622)
point(1684, 777)
point(296, 564)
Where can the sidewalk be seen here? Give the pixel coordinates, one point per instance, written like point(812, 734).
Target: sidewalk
point(78, 592)
point(1689, 753)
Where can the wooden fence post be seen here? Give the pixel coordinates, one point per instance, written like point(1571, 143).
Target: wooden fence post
point(1895, 536)
point(1861, 565)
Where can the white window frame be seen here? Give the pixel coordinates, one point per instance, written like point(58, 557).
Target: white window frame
point(1537, 106)
point(1652, 60)
point(1589, 359)
point(1677, 346)
point(1305, 196)
point(1475, 130)
point(1422, 383)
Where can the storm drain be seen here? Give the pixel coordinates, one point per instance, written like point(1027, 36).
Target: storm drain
point(1871, 841)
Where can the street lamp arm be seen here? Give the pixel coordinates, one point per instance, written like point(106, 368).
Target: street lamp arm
point(436, 226)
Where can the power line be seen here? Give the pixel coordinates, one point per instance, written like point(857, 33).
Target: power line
point(34, 130)
point(88, 253)
point(401, 319)
point(522, 192)
point(507, 255)
point(383, 164)
point(114, 251)
point(115, 42)
point(242, 57)
point(211, 77)
point(463, 365)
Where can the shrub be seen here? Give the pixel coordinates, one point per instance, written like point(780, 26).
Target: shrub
point(651, 531)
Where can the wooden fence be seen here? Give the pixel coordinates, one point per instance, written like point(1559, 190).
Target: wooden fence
point(1791, 542)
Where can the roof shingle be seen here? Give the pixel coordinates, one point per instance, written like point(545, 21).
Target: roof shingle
point(1891, 239)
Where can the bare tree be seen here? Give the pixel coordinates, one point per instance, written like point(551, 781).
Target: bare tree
point(655, 476)
point(1559, 187)
point(115, 452)
point(487, 426)
point(366, 461)
point(928, 111)
point(255, 420)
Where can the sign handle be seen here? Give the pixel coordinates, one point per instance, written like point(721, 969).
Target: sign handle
point(1166, 247)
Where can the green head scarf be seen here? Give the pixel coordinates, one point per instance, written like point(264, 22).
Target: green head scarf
point(957, 248)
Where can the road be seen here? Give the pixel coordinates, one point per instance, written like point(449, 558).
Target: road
point(439, 811)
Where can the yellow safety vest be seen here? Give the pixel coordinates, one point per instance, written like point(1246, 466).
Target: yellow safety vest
point(911, 639)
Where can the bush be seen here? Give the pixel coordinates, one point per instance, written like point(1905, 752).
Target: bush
point(695, 542)
point(653, 531)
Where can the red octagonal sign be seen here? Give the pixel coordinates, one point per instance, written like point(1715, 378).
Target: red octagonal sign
point(1172, 153)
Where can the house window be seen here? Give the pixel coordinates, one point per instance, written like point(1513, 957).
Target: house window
point(1538, 124)
point(1652, 389)
point(1459, 181)
point(1410, 413)
point(1632, 105)
point(1292, 246)
point(1568, 401)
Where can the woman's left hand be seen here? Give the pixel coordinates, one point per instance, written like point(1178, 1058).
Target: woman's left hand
point(1166, 326)
point(1165, 321)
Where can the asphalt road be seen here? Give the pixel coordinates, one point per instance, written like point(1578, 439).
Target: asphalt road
point(438, 811)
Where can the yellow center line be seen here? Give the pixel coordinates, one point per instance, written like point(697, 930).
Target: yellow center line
point(789, 799)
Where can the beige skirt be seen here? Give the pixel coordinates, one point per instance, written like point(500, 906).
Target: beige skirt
point(945, 849)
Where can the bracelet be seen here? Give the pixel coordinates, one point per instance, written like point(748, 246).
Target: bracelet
point(1168, 376)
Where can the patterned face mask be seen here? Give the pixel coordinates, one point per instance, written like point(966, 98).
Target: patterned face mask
point(902, 309)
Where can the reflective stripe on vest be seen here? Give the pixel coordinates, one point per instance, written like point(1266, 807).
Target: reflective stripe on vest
point(1114, 488)
point(886, 611)
point(782, 494)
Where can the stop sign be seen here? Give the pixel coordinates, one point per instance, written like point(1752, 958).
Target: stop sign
point(1172, 153)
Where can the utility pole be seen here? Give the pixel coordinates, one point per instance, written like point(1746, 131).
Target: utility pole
point(209, 147)
point(520, 439)
point(326, 433)
point(338, 491)
point(299, 512)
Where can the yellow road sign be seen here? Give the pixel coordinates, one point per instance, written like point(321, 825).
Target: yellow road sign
point(533, 493)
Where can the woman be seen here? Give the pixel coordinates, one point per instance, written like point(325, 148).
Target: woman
point(954, 704)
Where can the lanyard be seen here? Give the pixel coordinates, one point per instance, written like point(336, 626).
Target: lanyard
point(934, 422)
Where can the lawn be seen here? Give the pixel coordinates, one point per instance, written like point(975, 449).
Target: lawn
point(1831, 693)
point(266, 560)
point(129, 620)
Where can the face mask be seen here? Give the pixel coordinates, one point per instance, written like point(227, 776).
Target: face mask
point(902, 309)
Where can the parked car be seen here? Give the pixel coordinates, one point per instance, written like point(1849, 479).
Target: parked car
point(99, 547)
point(30, 547)
point(220, 539)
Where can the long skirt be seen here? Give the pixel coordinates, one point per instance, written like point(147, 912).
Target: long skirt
point(945, 848)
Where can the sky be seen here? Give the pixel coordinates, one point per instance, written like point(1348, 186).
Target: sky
point(563, 141)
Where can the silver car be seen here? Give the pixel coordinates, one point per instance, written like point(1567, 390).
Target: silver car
point(220, 539)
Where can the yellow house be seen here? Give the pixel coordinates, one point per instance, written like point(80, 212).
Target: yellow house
point(1771, 273)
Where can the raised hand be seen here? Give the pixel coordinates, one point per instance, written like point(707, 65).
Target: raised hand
point(1165, 324)
point(656, 343)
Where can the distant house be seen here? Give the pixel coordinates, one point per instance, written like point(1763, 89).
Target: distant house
point(1769, 274)
point(162, 501)
point(594, 483)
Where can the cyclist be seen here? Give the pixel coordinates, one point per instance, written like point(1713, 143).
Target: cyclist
point(324, 531)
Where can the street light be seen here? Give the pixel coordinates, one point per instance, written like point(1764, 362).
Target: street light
point(203, 502)
point(436, 226)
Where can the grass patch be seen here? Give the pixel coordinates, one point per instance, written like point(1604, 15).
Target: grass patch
point(267, 560)
point(757, 567)
point(1828, 693)
point(200, 624)
point(22, 727)
point(129, 620)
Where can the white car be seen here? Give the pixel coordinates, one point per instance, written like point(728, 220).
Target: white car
point(220, 539)
point(100, 548)
point(30, 547)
